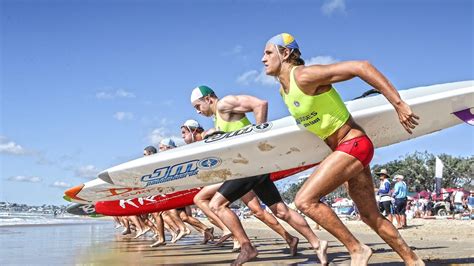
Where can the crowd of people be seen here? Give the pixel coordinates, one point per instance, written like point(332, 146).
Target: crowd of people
point(392, 203)
point(312, 100)
point(396, 203)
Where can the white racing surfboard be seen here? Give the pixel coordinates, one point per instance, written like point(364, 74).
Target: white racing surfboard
point(99, 190)
point(283, 144)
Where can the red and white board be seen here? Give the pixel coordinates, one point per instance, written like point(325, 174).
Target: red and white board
point(169, 201)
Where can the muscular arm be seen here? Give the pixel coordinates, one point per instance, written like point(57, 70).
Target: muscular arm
point(243, 104)
point(318, 75)
point(312, 77)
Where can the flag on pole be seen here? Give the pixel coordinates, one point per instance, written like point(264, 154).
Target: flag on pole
point(438, 175)
point(439, 168)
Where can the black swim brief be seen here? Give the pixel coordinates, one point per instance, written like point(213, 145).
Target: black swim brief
point(263, 187)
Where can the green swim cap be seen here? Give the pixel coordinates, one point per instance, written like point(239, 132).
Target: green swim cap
point(200, 92)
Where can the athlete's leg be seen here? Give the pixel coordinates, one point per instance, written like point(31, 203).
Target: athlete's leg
point(117, 222)
point(251, 200)
point(160, 235)
point(268, 193)
point(178, 231)
point(200, 227)
point(170, 226)
point(126, 225)
point(202, 200)
point(297, 221)
point(151, 225)
point(360, 190)
point(141, 228)
point(159, 223)
point(219, 205)
point(336, 169)
point(182, 227)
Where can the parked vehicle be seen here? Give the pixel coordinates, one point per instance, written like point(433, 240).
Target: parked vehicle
point(441, 208)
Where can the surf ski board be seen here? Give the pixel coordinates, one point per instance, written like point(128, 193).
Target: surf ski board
point(284, 144)
point(98, 190)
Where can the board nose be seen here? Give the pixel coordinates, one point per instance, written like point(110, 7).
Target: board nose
point(72, 192)
point(106, 177)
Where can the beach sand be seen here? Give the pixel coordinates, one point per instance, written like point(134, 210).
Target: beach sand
point(98, 243)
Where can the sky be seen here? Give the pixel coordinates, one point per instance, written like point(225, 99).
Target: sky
point(86, 85)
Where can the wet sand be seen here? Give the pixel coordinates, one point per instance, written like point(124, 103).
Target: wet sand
point(436, 241)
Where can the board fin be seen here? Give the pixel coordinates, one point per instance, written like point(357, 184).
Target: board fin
point(466, 116)
point(106, 177)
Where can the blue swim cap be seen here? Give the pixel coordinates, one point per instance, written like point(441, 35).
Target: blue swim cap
point(284, 40)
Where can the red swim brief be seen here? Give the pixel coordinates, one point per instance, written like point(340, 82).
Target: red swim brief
point(360, 147)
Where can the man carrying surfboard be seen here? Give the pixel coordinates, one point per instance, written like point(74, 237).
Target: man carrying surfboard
point(229, 115)
point(315, 104)
point(192, 131)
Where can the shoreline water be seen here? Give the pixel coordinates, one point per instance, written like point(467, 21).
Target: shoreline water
point(96, 242)
point(33, 219)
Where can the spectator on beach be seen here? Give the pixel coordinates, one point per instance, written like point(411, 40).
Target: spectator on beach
point(423, 202)
point(410, 212)
point(384, 193)
point(470, 202)
point(429, 207)
point(400, 195)
point(458, 201)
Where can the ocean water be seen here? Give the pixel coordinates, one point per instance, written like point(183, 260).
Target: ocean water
point(18, 218)
point(45, 241)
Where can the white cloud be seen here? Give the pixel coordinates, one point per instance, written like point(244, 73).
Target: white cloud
point(157, 135)
point(247, 77)
point(258, 77)
point(321, 60)
point(61, 184)
point(87, 171)
point(123, 116)
point(29, 179)
point(332, 6)
point(120, 93)
point(124, 94)
point(165, 121)
point(10, 147)
point(237, 49)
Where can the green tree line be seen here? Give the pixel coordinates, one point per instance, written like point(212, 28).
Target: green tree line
point(418, 169)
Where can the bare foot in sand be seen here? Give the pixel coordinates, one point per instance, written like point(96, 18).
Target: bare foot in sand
point(140, 233)
point(321, 252)
point(174, 235)
point(179, 236)
point(126, 231)
point(417, 262)
point(158, 243)
point(222, 239)
point(187, 231)
point(236, 247)
point(247, 253)
point(208, 235)
point(362, 256)
point(294, 246)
